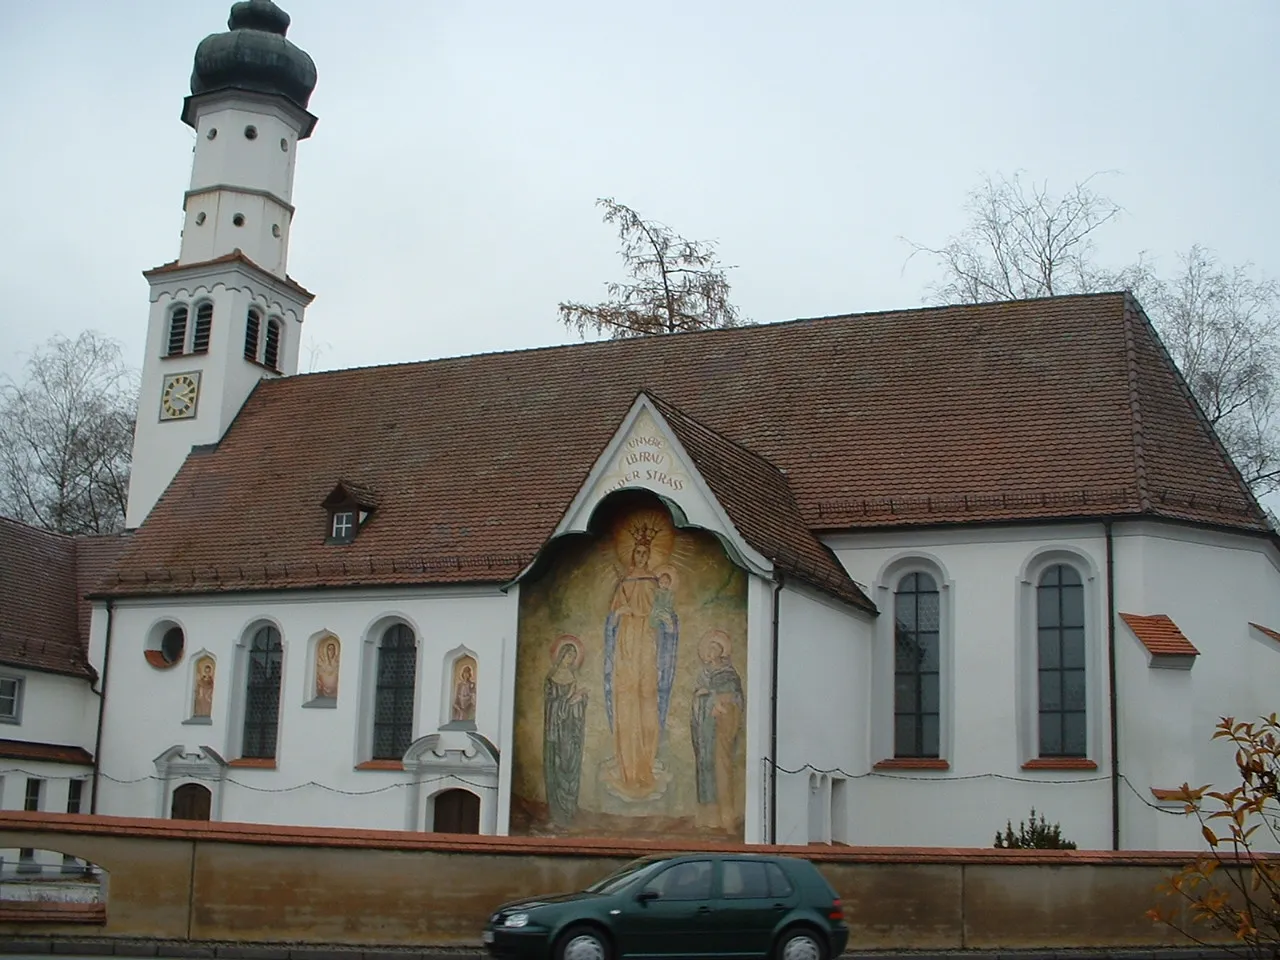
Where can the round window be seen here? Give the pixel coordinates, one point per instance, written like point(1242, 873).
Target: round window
point(200, 218)
point(213, 132)
point(284, 144)
point(251, 132)
point(238, 220)
point(171, 645)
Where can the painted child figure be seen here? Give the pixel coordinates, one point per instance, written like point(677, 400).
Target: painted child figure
point(663, 614)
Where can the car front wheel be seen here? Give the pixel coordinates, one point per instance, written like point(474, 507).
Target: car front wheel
point(582, 943)
point(800, 944)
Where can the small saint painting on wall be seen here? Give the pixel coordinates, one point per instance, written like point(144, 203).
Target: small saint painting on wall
point(463, 699)
point(202, 698)
point(328, 656)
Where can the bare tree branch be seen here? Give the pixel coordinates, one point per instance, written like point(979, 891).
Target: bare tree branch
point(66, 437)
point(1220, 324)
point(676, 284)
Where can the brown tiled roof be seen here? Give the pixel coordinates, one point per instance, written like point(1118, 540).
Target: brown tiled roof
point(44, 577)
point(1026, 410)
point(52, 752)
point(1266, 631)
point(1160, 635)
point(755, 495)
point(235, 256)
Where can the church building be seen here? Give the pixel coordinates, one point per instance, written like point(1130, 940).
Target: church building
point(876, 579)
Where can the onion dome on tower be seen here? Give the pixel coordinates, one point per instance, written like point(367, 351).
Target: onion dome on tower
point(254, 55)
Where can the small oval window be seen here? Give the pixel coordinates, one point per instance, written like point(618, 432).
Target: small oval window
point(200, 218)
point(275, 229)
point(284, 145)
point(238, 220)
point(251, 132)
point(213, 132)
point(171, 645)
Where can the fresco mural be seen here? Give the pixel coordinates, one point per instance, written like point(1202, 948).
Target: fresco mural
point(328, 659)
point(463, 701)
point(630, 674)
point(202, 695)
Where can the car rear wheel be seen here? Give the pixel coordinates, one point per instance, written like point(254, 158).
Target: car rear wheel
point(800, 943)
point(582, 943)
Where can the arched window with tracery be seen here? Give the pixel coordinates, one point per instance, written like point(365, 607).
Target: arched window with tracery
point(203, 328)
point(271, 351)
point(917, 706)
point(262, 694)
point(393, 700)
point(252, 334)
point(177, 330)
point(1061, 662)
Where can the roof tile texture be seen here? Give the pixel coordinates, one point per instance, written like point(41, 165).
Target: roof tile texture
point(1024, 410)
point(1160, 635)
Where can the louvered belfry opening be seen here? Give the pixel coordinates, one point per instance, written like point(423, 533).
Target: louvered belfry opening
point(204, 328)
point(252, 331)
point(177, 330)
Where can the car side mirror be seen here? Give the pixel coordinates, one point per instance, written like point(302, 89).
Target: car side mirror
point(644, 896)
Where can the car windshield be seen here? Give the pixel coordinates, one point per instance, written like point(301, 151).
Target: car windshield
point(620, 878)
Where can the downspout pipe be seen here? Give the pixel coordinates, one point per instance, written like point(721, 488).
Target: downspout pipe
point(778, 581)
point(102, 706)
point(1111, 681)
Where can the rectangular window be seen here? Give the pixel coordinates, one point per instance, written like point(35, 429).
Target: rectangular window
point(75, 796)
point(343, 524)
point(10, 699)
point(1061, 655)
point(34, 789)
point(745, 880)
point(917, 708)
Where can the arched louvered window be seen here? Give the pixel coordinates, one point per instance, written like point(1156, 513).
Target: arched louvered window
point(177, 330)
point(1061, 660)
point(204, 328)
point(394, 695)
point(271, 352)
point(252, 334)
point(262, 694)
point(917, 688)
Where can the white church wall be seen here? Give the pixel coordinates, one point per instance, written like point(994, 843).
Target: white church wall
point(1165, 716)
point(823, 661)
point(314, 780)
point(1213, 585)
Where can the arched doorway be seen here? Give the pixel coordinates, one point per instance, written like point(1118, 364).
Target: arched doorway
point(191, 801)
point(456, 811)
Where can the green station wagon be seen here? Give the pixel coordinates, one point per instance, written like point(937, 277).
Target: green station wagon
point(696, 905)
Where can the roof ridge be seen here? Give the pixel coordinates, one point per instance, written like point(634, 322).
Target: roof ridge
point(1134, 308)
point(1135, 407)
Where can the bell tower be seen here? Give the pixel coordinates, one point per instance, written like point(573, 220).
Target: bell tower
point(225, 314)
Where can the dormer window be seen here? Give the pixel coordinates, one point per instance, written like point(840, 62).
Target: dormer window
point(344, 526)
point(349, 506)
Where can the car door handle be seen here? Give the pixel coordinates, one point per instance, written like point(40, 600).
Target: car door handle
point(779, 906)
point(704, 909)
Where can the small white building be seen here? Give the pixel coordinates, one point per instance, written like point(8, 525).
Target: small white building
point(884, 579)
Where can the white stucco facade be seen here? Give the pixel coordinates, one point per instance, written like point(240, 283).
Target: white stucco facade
point(53, 709)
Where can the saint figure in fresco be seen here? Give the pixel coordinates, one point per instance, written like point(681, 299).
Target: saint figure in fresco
point(563, 730)
point(202, 702)
point(328, 653)
point(464, 690)
point(715, 724)
point(641, 634)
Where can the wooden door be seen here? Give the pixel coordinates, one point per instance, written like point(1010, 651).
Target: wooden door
point(457, 811)
point(191, 801)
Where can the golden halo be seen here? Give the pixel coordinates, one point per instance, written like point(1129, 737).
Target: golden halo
point(567, 640)
point(718, 637)
point(651, 525)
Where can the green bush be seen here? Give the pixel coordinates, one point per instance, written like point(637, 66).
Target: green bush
point(1038, 835)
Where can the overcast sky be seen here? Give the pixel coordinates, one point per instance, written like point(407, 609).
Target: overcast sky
point(445, 201)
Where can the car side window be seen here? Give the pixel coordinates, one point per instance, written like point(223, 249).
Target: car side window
point(684, 881)
point(745, 880)
point(779, 885)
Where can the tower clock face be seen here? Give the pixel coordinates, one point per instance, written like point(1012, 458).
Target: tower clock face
point(178, 396)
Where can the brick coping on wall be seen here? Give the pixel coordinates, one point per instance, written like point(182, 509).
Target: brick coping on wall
point(12, 821)
point(39, 946)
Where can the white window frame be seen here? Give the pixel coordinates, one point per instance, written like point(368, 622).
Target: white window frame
point(19, 687)
point(1028, 655)
point(347, 528)
point(883, 658)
